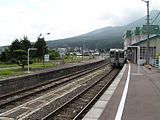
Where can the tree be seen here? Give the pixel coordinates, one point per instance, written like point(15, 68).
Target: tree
point(17, 52)
point(16, 44)
point(25, 43)
point(41, 48)
point(21, 57)
point(5, 55)
point(53, 55)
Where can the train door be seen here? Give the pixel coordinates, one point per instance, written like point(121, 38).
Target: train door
point(121, 58)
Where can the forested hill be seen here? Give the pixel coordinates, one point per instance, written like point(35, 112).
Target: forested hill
point(108, 37)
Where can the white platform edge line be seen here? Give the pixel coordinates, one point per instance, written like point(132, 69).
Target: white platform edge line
point(124, 95)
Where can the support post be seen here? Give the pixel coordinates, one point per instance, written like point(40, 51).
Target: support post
point(82, 51)
point(28, 57)
point(148, 52)
point(28, 61)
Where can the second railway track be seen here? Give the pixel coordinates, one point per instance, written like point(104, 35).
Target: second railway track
point(21, 94)
point(76, 107)
point(20, 111)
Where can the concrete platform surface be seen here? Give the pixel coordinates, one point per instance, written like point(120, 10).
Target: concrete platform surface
point(137, 96)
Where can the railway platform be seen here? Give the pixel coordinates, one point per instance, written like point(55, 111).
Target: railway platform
point(133, 95)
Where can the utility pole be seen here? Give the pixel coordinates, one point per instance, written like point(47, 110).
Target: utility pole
point(147, 52)
point(43, 46)
point(43, 40)
point(28, 56)
point(82, 51)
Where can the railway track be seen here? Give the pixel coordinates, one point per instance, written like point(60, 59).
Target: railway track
point(12, 97)
point(20, 95)
point(76, 107)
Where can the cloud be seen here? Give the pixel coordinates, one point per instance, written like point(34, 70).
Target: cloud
point(65, 18)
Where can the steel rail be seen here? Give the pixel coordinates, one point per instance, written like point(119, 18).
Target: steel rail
point(40, 84)
point(76, 97)
point(86, 108)
point(72, 76)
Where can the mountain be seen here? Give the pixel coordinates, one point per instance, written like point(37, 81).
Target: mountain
point(104, 38)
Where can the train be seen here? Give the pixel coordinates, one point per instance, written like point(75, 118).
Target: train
point(117, 57)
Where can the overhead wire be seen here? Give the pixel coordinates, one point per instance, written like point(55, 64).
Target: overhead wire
point(156, 17)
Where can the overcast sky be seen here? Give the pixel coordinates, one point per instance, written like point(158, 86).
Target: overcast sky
point(65, 18)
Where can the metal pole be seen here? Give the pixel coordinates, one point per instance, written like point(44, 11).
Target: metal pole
point(148, 31)
point(147, 47)
point(28, 57)
point(43, 46)
point(148, 52)
point(82, 51)
point(138, 59)
point(28, 60)
point(43, 51)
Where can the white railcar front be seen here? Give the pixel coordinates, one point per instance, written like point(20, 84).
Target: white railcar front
point(117, 57)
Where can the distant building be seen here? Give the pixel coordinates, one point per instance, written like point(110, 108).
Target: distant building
point(62, 50)
point(137, 38)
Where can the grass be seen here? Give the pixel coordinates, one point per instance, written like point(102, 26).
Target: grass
point(2, 65)
point(10, 72)
point(41, 65)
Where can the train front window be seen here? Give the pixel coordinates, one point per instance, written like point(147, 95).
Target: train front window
point(111, 54)
point(121, 55)
point(116, 55)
